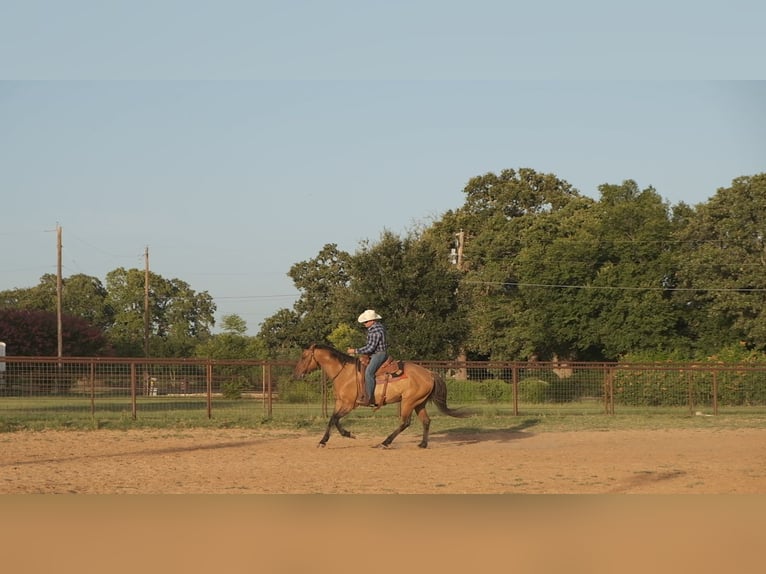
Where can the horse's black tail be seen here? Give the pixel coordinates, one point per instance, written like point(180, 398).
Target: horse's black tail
point(439, 398)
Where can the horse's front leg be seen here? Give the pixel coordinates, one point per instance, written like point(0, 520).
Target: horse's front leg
point(335, 422)
point(342, 430)
point(326, 436)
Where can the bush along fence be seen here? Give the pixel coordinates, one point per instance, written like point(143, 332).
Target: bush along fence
point(133, 387)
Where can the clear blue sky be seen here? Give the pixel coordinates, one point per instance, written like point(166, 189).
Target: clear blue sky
point(235, 139)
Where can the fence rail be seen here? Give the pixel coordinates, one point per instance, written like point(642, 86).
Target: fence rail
point(138, 387)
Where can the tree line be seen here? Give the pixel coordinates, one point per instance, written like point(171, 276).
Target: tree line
point(543, 272)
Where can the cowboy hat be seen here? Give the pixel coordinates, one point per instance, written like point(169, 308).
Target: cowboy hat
point(368, 315)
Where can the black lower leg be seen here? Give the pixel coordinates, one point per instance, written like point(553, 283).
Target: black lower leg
point(333, 421)
point(390, 438)
point(342, 430)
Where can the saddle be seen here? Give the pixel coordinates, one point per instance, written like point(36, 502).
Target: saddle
point(390, 369)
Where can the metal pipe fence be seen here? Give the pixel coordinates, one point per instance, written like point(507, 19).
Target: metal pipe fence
point(199, 389)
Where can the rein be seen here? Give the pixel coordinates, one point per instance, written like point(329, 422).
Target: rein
point(332, 379)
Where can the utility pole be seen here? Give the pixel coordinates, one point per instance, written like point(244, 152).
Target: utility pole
point(462, 357)
point(146, 301)
point(59, 293)
point(460, 243)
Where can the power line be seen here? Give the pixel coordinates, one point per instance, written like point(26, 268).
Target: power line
point(619, 288)
point(239, 297)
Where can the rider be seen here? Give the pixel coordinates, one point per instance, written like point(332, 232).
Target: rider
point(377, 347)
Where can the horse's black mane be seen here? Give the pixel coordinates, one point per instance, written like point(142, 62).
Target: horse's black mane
point(339, 355)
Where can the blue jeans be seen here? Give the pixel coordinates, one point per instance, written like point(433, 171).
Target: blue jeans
point(376, 360)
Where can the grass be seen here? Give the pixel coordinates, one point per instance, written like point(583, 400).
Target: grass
point(57, 413)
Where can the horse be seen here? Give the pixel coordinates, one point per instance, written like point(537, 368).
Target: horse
point(413, 387)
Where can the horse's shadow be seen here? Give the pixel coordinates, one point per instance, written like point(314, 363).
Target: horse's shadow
point(465, 435)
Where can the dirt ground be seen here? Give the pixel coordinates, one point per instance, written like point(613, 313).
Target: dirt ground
point(273, 462)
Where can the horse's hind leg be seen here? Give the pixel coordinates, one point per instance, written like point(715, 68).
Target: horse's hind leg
point(420, 410)
point(406, 421)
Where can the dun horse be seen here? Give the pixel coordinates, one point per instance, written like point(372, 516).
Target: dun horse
point(413, 388)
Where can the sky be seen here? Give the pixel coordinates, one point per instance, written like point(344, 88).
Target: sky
point(234, 139)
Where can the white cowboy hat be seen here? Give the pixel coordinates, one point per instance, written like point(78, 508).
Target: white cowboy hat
point(368, 315)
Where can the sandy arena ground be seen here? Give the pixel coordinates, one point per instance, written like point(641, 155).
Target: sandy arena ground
point(274, 462)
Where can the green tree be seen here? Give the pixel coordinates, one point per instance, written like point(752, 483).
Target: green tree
point(36, 298)
point(82, 296)
point(232, 343)
point(555, 264)
point(501, 216)
point(233, 324)
point(282, 335)
point(628, 309)
point(722, 269)
point(545, 272)
point(410, 282)
point(513, 194)
point(179, 318)
point(345, 336)
point(323, 283)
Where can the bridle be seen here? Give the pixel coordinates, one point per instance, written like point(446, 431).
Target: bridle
point(332, 379)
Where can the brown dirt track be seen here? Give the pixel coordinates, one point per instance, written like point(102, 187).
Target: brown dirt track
point(233, 461)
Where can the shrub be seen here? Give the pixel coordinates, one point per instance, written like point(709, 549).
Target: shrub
point(741, 388)
point(459, 391)
point(233, 389)
point(303, 391)
point(495, 390)
point(651, 388)
point(563, 390)
point(533, 390)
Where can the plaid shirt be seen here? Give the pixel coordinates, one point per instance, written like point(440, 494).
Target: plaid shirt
point(376, 340)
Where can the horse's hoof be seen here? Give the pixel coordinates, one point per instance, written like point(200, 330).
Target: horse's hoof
point(423, 445)
point(381, 446)
point(321, 445)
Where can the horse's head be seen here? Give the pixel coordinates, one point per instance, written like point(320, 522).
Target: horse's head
point(306, 363)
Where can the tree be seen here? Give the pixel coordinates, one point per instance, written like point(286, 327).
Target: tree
point(545, 272)
point(233, 324)
point(82, 296)
point(555, 264)
point(499, 214)
point(722, 270)
point(232, 343)
point(322, 305)
point(323, 282)
point(412, 285)
point(408, 280)
point(179, 318)
point(281, 334)
point(628, 309)
point(345, 336)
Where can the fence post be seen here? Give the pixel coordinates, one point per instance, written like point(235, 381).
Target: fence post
point(715, 391)
point(609, 391)
point(209, 385)
point(515, 385)
point(267, 382)
point(133, 390)
point(690, 391)
point(92, 389)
